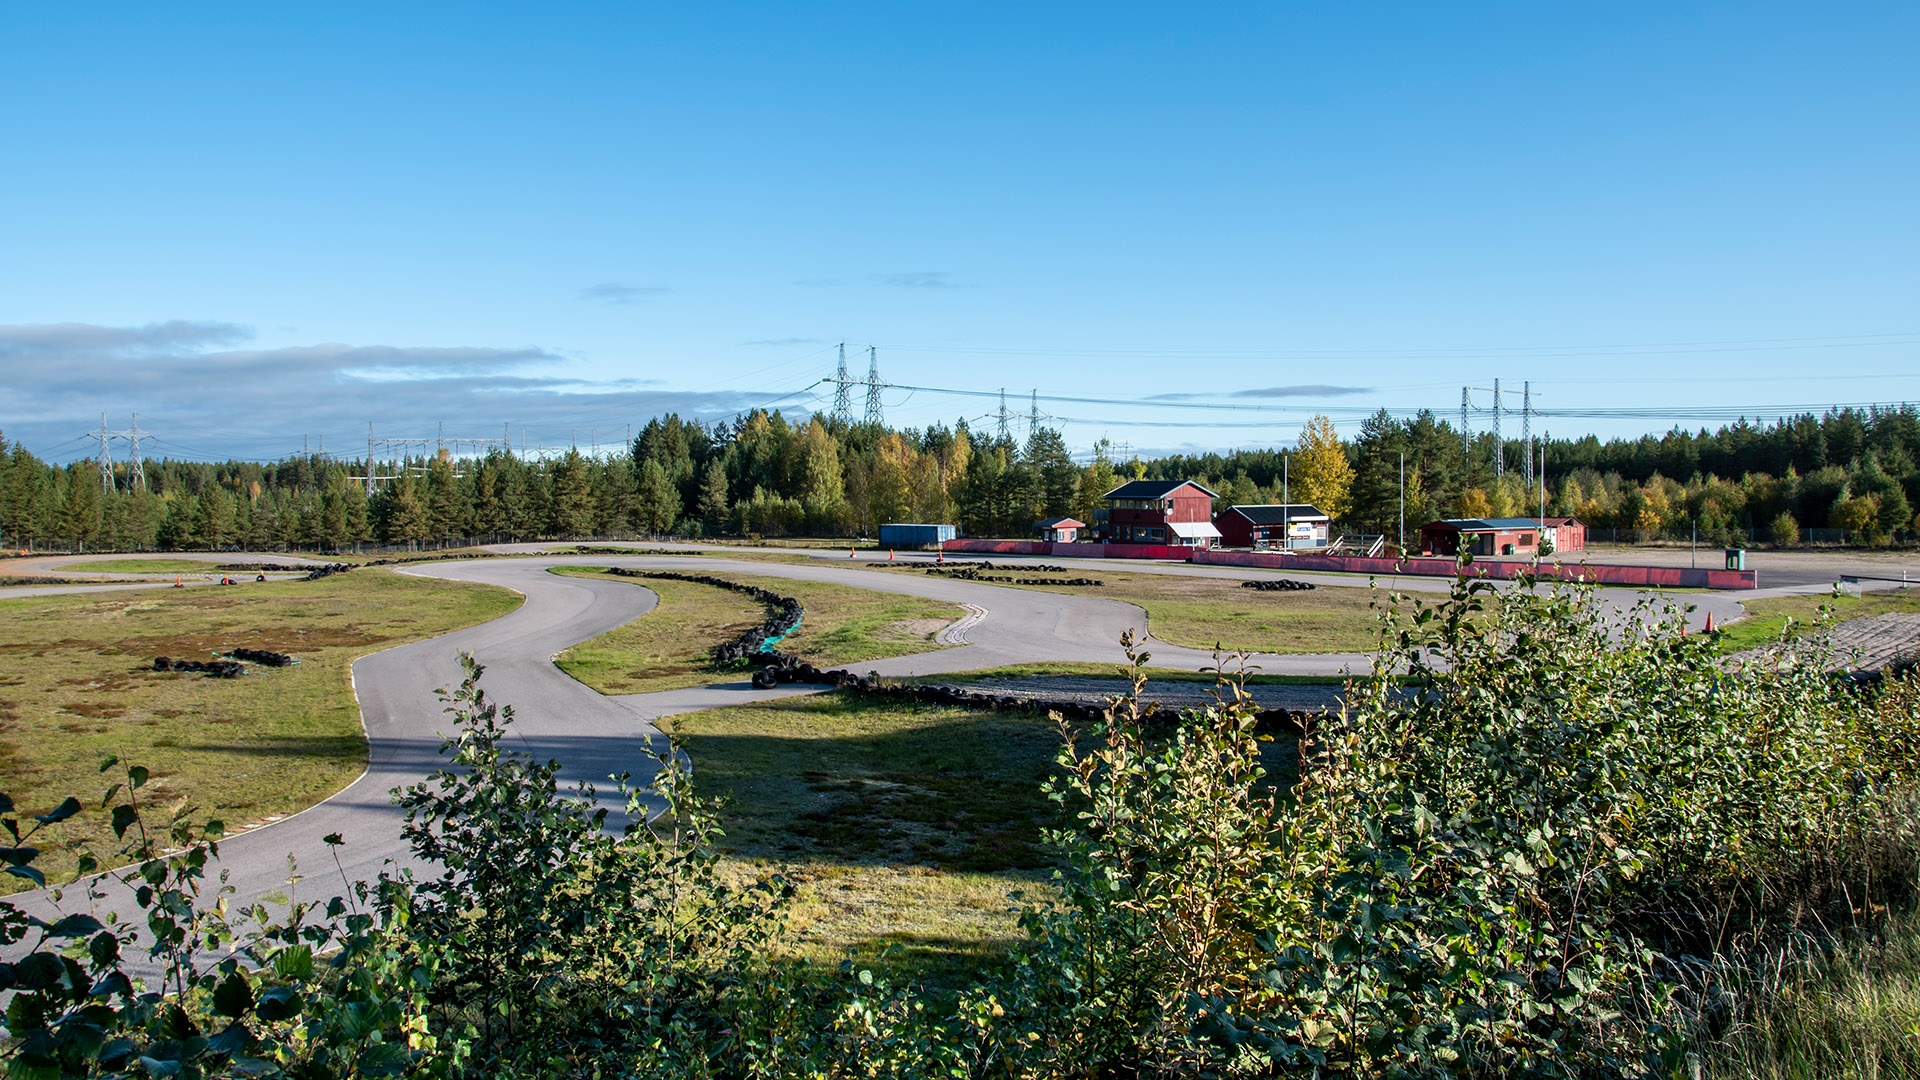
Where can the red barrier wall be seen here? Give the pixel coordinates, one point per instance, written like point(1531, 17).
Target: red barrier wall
point(1665, 576)
point(998, 547)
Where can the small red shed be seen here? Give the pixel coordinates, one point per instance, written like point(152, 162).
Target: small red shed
point(1481, 536)
point(1298, 526)
point(1059, 530)
point(1565, 533)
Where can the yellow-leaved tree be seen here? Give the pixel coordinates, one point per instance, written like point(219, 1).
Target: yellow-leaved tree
point(1322, 474)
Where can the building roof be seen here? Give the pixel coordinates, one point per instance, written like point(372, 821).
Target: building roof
point(1488, 524)
point(1558, 521)
point(1188, 530)
point(1061, 523)
point(1152, 489)
point(1278, 513)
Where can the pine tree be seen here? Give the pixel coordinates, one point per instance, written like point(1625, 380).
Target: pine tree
point(572, 512)
point(658, 506)
point(713, 497)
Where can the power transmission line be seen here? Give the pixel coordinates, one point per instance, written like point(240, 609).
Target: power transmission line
point(842, 392)
point(876, 417)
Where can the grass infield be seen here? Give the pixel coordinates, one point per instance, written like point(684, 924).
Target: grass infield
point(148, 566)
point(77, 685)
point(667, 648)
point(1201, 612)
point(903, 826)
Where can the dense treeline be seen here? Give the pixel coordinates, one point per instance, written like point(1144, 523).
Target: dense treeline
point(759, 474)
point(1852, 471)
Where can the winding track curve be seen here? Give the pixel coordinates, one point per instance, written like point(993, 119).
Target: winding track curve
point(594, 736)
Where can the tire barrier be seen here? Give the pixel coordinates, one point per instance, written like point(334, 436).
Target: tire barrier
point(971, 574)
point(328, 570)
point(758, 641)
point(263, 657)
point(967, 568)
point(16, 579)
point(217, 669)
point(430, 558)
point(783, 669)
point(256, 567)
point(582, 549)
point(779, 669)
point(1279, 585)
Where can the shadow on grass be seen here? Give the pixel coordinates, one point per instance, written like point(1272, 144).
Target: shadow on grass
point(328, 747)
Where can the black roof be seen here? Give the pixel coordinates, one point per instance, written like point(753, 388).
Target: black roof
point(1151, 489)
point(1276, 513)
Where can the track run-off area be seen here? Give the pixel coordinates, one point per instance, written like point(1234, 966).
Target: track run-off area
point(595, 736)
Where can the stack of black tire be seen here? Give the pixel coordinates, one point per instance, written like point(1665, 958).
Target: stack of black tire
point(218, 669)
point(263, 657)
point(328, 570)
point(1278, 585)
point(969, 573)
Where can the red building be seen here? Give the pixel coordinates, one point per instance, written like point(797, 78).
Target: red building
point(1177, 513)
point(1490, 536)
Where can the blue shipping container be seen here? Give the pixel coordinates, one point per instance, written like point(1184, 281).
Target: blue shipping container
point(907, 535)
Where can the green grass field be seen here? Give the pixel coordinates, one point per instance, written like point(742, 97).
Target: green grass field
point(1200, 612)
point(77, 684)
point(902, 826)
point(667, 648)
point(1767, 618)
point(143, 566)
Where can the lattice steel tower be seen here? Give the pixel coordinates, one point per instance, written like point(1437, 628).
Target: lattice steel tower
point(843, 392)
point(876, 416)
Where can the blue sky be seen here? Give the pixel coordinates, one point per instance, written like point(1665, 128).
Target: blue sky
point(255, 224)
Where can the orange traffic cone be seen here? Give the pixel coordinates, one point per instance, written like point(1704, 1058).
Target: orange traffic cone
point(889, 554)
point(1709, 622)
point(850, 553)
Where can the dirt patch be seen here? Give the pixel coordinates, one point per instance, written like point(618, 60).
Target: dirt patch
point(94, 710)
point(286, 640)
point(922, 628)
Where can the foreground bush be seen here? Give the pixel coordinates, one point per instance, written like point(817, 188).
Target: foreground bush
point(1539, 841)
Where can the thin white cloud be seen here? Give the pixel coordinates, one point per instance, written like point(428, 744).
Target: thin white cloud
point(614, 292)
point(920, 279)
